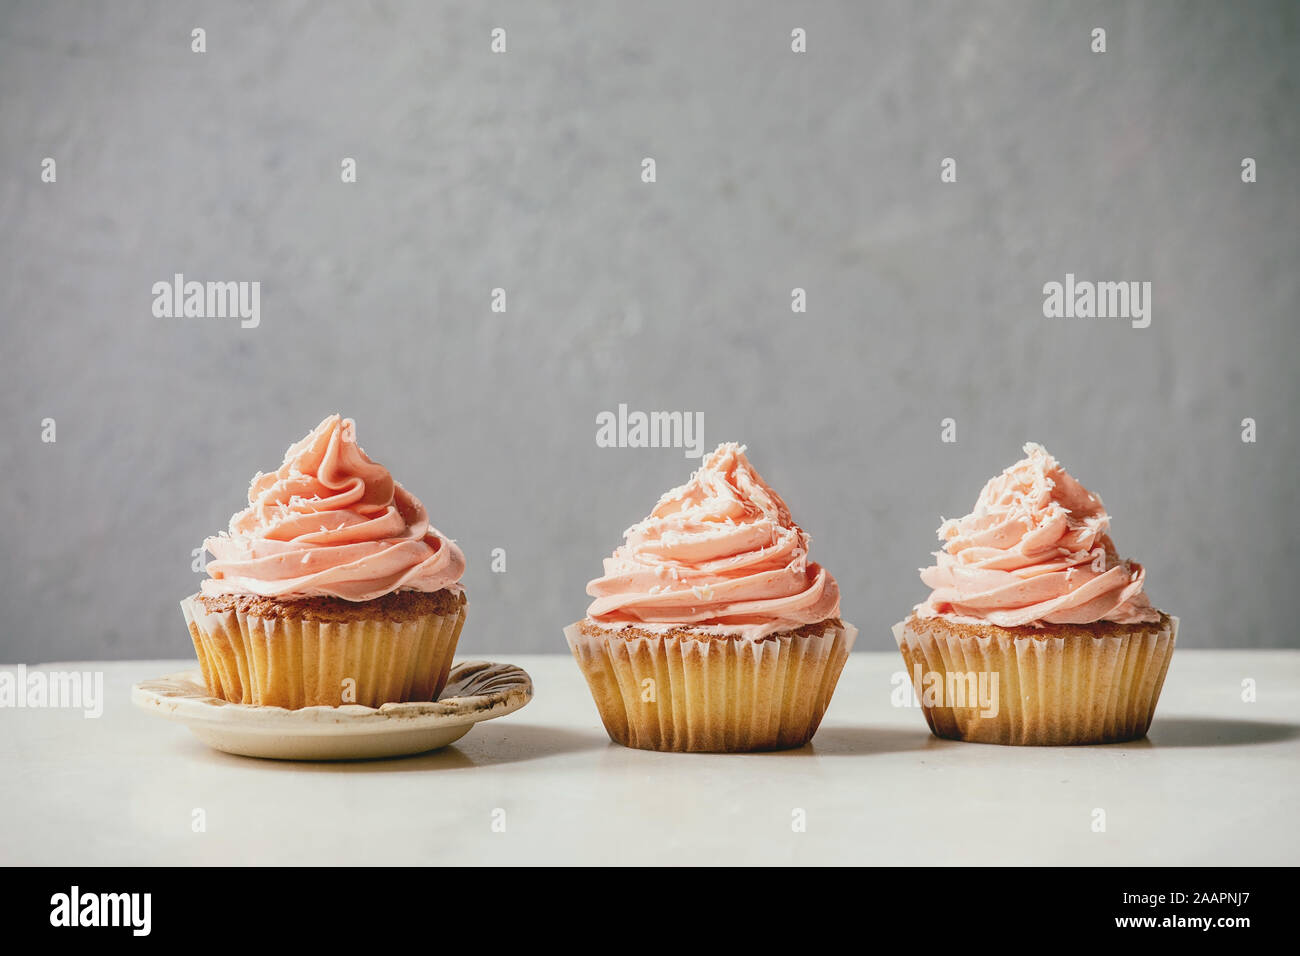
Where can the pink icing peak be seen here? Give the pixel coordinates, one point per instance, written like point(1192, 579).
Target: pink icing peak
point(719, 550)
point(331, 523)
point(1035, 550)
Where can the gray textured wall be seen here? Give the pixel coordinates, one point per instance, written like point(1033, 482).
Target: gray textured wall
point(521, 170)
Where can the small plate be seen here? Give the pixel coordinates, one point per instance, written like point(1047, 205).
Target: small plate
point(476, 690)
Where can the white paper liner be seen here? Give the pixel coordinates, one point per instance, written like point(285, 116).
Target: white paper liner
point(1051, 690)
point(718, 695)
point(292, 663)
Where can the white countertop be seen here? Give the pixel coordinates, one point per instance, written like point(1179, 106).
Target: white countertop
point(1216, 783)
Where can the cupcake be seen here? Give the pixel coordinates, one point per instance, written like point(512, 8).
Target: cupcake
point(1036, 631)
point(330, 588)
point(710, 629)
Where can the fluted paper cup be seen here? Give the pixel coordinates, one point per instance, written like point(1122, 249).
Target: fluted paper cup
point(1051, 690)
point(295, 662)
point(711, 693)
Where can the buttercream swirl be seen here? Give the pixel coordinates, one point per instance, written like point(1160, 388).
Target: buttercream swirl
point(721, 550)
point(331, 523)
point(1034, 551)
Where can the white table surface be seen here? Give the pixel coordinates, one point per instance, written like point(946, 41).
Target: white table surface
point(1215, 783)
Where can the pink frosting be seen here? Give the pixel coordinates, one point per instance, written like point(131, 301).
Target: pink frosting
point(1034, 551)
point(721, 550)
point(331, 523)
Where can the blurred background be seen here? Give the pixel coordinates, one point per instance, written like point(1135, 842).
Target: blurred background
point(522, 171)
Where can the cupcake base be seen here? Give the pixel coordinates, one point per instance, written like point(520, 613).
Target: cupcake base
point(325, 651)
point(1055, 685)
point(693, 690)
